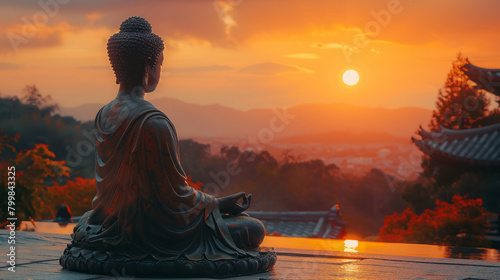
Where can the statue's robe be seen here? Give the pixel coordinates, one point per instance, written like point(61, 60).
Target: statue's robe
point(144, 206)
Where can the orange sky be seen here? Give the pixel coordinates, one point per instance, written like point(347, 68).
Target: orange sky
point(252, 53)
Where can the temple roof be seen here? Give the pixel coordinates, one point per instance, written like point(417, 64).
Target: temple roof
point(476, 146)
point(488, 79)
point(318, 224)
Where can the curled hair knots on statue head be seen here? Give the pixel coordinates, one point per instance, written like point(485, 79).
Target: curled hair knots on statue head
point(129, 49)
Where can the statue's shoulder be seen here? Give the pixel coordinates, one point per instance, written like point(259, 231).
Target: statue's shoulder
point(142, 110)
point(122, 113)
point(154, 119)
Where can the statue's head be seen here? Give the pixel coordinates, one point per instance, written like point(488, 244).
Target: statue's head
point(136, 54)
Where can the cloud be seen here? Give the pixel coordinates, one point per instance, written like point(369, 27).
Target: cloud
point(304, 70)
point(343, 46)
point(210, 68)
point(231, 23)
point(270, 68)
point(10, 66)
point(92, 17)
point(225, 11)
point(197, 21)
point(302, 55)
point(19, 36)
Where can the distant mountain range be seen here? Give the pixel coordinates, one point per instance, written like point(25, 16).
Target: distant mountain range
point(310, 122)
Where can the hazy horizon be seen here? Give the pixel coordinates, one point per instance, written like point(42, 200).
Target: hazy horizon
point(153, 99)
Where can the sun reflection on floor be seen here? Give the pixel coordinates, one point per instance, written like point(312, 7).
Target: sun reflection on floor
point(354, 247)
point(350, 245)
point(47, 227)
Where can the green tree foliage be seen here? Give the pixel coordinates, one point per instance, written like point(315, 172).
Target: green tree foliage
point(459, 223)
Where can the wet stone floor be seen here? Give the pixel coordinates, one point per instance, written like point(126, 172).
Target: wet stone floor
point(37, 256)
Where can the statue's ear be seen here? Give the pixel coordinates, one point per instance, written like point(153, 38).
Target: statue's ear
point(147, 65)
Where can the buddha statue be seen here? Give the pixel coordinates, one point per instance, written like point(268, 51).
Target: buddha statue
point(146, 220)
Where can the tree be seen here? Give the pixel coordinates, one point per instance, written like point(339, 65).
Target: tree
point(33, 97)
point(7, 150)
point(459, 223)
point(9, 107)
point(192, 149)
point(230, 153)
point(32, 118)
point(36, 169)
point(6, 140)
point(193, 157)
point(459, 104)
point(77, 194)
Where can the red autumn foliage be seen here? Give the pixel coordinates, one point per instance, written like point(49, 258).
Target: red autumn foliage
point(33, 170)
point(460, 223)
point(77, 194)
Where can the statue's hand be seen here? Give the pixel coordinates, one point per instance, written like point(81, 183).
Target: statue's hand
point(229, 204)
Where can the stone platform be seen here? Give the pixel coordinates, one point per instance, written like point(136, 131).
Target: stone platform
point(37, 257)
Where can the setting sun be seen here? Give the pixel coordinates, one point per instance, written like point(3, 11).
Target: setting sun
point(350, 77)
